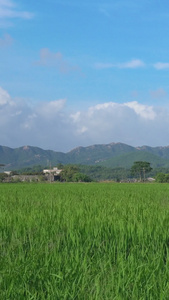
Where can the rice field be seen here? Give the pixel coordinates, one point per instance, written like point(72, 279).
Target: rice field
point(92, 241)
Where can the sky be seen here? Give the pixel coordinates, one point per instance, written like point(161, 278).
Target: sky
point(77, 73)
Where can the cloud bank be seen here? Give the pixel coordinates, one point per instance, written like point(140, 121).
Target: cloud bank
point(50, 124)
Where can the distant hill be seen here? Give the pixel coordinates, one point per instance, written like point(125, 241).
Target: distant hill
point(27, 156)
point(98, 153)
point(110, 155)
point(126, 160)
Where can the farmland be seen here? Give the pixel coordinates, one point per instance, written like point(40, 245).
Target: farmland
point(90, 241)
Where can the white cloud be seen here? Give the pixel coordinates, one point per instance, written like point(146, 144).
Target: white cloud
point(144, 111)
point(8, 10)
point(133, 64)
point(101, 107)
point(50, 109)
point(161, 66)
point(82, 130)
point(50, 125)
point(55, 59)
point(76, 117)
point(4, 97)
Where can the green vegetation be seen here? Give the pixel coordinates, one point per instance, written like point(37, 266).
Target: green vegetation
point(127, 159)
point(3, 176)
point(141, 168)
point(162, 178)
point(70, 173)
point(99, 173)
point(94, 173)
point(84, 241)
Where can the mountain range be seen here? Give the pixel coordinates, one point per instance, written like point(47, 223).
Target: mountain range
point(111, 155)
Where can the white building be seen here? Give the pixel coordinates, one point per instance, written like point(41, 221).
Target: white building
point(54, 171)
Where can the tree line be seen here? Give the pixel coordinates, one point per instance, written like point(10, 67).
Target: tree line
point(87, 173)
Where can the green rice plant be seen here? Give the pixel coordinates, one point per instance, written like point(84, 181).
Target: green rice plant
point(84, 241)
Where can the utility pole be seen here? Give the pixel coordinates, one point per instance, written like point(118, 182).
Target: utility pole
point(50, 173)
point(144, 174)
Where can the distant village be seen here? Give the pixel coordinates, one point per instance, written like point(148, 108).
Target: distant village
point(49, 175)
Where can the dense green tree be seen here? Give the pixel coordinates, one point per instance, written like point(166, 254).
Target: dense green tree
point(79, 177)
point(3, 176)
point(99, 173)
point(167, 177)
point(162, 178)
point(140, 168)
point(70, 173)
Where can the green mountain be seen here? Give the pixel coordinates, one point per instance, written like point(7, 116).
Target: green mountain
point(126, 160)
point(111, 155)
point(28, 156)
point(159, 151)
point(98, 153)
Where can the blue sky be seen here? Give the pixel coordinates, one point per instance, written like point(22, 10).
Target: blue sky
point(84, 72)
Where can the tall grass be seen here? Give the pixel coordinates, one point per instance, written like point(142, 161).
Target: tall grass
point(84, 241)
